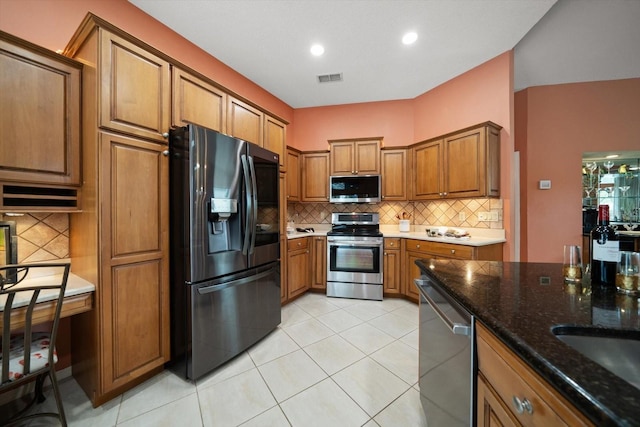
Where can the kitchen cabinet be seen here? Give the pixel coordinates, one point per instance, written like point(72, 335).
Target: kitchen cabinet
point(135, 88)
point(463, 164)
point(359, 157)
point(244, 121)
point(319, 263)
point(391, 267)
point(298, 271)
point(283, 238)
point(293, 175)
point(315, 176)
point(275, 138)
point(120, 240)
point(39, 127)
point(511, 393)
point(393, 166)
point(197, 101)
point(419, 249)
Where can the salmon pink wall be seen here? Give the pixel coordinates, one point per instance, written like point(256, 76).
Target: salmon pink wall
point(562, 122)
point(51, 23)
point(392, 120)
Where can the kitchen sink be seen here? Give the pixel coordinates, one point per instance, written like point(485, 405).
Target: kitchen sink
point(616, 350)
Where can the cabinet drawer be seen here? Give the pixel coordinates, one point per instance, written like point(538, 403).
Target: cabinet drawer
point(392, 243)
point(295, 244)
point(511, 378)
point(447, 250)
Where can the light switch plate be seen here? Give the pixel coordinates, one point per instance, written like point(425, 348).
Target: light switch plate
point(544, 184)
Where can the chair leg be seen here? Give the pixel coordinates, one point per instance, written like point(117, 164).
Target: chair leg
point(56, 394)
point(40, 397)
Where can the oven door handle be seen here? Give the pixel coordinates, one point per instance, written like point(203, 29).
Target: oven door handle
point(456, 328)
point(343, 243)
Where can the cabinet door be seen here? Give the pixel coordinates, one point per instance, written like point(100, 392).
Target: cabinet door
point(427, 167)
point(275, 138)
point(391, 272)
point(315, 177)
point(244, 121)
point(342, 158)
point(394, 174)
point(298, 271)
point(40, 115)
point(367, 157)
point(464, 174)
point(411, 271)
point(319, 260)
point(293, 176)
point(136, 89)
point(197, 101)
point(134, 302)
point(491, 409)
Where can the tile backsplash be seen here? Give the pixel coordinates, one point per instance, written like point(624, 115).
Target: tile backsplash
point(41, 236)
point(439, 212)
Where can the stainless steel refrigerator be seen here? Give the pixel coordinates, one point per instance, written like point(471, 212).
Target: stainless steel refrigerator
point(224, 238)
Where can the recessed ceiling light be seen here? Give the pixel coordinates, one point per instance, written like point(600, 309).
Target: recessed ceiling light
point(410, 38)
point(317, 50)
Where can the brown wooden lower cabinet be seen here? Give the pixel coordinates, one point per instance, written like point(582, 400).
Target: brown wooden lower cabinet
point(504, 379)
point(319, 263)
point(298, 272)
point(391, 267)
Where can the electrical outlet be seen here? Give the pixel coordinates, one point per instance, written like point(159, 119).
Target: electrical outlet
point(483, 216)
point(493, 216)
point(462, 216)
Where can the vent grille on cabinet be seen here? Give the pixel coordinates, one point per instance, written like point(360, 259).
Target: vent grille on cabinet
point(21, 198)
point(328, 78)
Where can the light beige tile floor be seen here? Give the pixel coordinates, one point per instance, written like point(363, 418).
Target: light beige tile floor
point(331, 362)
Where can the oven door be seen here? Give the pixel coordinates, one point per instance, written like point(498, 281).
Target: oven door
point(354, 260)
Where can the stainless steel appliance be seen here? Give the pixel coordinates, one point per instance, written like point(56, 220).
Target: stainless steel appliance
point(354, 256)
point(355, 189)
point(225, 269)
point(447, 367)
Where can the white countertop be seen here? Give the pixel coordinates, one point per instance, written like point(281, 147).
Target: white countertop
point(75, 286)
point(478, 236)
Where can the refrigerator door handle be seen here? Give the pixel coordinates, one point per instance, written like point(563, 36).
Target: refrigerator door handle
point(249, 211)
point(208, 289)
point(254, 205)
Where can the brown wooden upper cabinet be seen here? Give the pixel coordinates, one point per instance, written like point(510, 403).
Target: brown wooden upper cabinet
point(275, 138)
point(197, 101)
point(136, 88)
point(40, 114)
point(393, 164)
point(359, 157)
point(293, 175)
point(315, 177)
point(458, 165)
point(244, 121)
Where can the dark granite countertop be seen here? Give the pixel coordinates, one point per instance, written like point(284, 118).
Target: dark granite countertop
point(521, 302)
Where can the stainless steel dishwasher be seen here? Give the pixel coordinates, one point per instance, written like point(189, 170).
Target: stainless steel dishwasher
point(447, 366)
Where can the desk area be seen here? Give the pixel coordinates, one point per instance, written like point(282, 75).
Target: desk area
point(78, 298)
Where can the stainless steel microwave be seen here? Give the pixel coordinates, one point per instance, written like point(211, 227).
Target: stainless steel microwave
point(354, 189)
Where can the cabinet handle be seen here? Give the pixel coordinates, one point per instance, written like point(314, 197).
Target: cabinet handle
point(299, 244)
point(165, 153)
point(445, 193)
point(440, 194)
point(288, 196)
point(522, 406)
point(391, 244)
point(418, 246)
point(453, 251)
point(165, 135)
point(356, 172)
point(385, 254)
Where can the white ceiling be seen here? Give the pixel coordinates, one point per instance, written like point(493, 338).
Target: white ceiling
point(268, 41)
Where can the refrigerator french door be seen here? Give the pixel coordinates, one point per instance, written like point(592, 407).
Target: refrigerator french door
point(225, 268)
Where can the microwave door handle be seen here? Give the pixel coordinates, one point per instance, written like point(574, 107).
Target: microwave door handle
point(254, 204)
point(249, 208)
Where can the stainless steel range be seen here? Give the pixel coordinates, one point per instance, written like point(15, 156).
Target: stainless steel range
point(354, 256)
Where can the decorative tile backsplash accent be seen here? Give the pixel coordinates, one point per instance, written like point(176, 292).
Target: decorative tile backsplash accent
point(41, 236)
point(447, 213)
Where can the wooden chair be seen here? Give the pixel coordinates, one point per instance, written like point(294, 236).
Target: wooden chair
point(28, 355)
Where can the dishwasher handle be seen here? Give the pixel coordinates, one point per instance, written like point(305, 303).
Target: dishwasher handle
point(456, 328)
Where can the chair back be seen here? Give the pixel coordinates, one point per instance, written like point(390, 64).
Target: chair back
point(21, 287)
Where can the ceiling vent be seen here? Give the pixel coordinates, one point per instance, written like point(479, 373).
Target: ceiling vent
point(328, 78)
